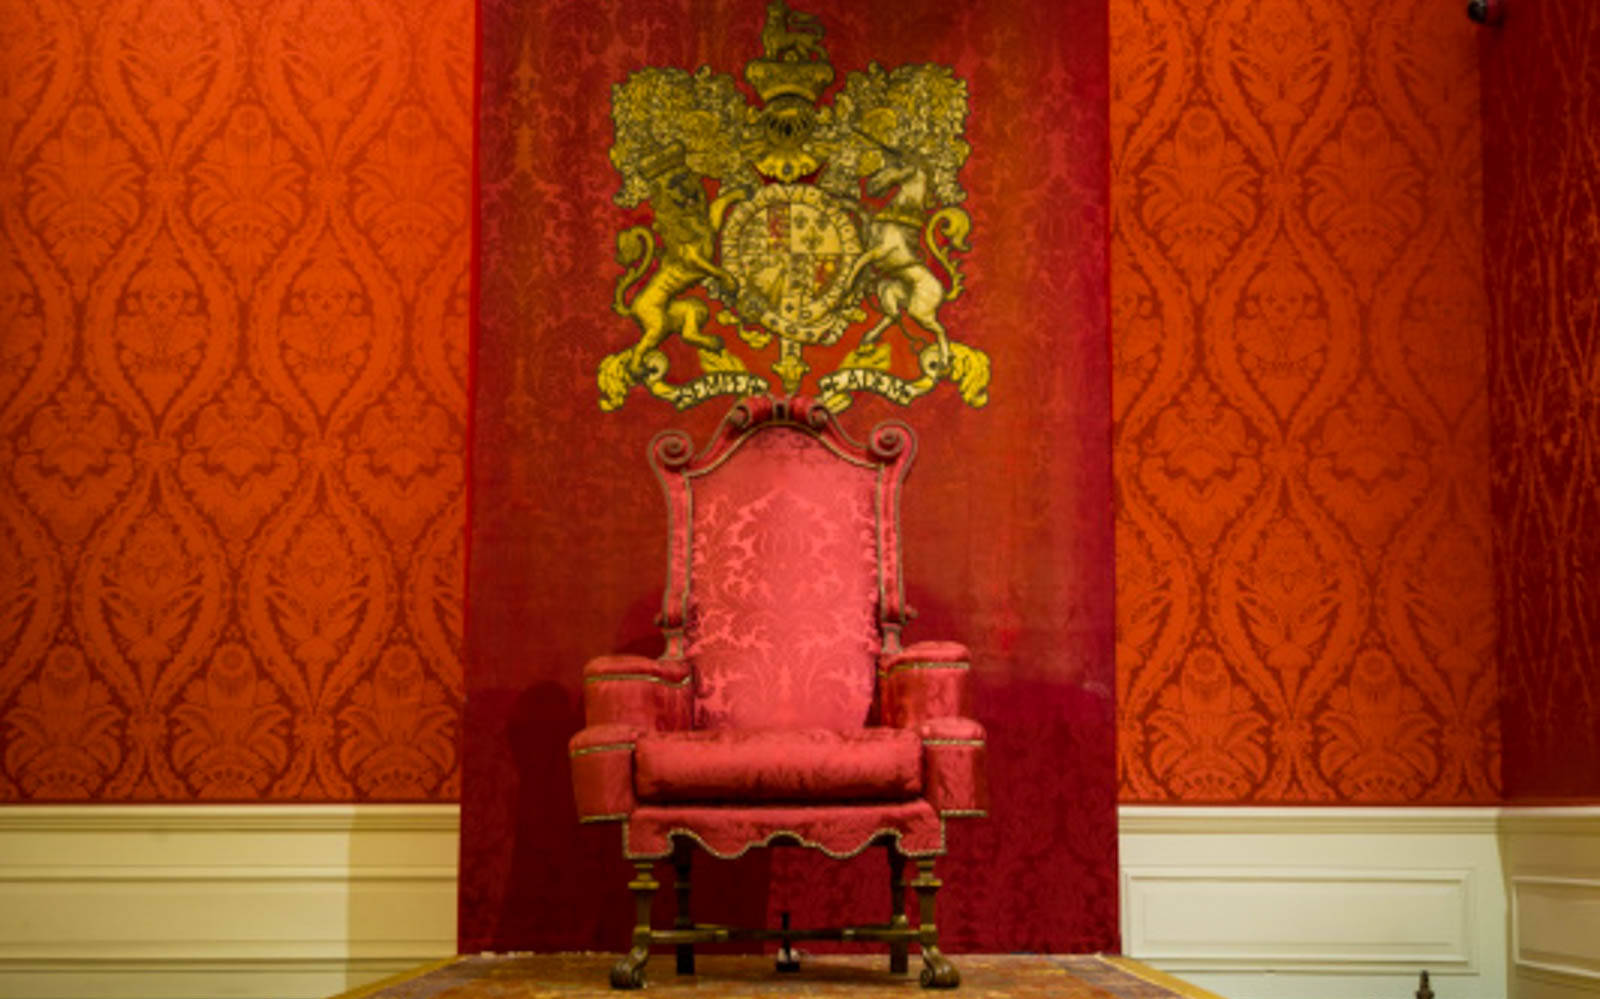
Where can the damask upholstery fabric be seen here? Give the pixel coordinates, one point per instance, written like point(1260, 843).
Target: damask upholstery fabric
point(766, 765)
point(782, 631)
point(622, 689)
point(792, 517)
point(602, 770)
point(955, 765)
point(925, 680)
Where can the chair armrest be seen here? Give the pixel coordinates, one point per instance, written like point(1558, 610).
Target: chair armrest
point(602, 771)
point(653, 694)
point(923, 681)
point(955, 777)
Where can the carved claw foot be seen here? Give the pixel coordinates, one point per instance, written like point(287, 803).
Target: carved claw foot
point(937, 971)
point(628, 973)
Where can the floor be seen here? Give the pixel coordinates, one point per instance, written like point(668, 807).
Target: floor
point(983, 976)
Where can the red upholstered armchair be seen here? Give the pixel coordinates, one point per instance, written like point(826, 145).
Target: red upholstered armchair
point(784, 710)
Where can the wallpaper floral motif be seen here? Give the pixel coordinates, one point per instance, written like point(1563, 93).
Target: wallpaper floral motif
point(1304, 585)
point(234, 290)
point(1542, 213)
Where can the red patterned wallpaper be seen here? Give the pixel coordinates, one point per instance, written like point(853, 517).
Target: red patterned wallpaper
point(1304, 589)
point(232, 395)
point(1541, 83)
point(232, 386)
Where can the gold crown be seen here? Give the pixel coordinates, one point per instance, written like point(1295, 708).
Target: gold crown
point(773, 78)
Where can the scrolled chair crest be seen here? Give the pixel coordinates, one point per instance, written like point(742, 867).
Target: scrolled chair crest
point(744, 413)
point(671, 449)
point(750, 411)
point(889, 440)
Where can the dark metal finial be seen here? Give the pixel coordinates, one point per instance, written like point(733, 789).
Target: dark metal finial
point(1425, 992)
point(1487, 11)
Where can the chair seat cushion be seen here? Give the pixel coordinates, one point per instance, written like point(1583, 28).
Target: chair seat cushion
point(794, 765)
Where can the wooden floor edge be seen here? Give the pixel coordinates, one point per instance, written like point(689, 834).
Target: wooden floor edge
point(373, 988)
point(1139, 969)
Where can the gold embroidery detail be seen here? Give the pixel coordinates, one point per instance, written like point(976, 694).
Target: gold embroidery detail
point(609, 747)
point(952, 742)
point(897, 667)
point(870, 841)
point(644, 677)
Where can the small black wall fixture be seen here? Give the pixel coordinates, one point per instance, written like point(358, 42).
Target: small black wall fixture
point(1487, 11)
point(1425, 991)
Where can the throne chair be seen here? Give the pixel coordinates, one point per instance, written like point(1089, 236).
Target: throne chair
point(784, 710)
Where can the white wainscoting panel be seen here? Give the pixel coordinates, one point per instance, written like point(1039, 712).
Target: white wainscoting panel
point(209, 901)
point(1316, 903)
point(1552, 861)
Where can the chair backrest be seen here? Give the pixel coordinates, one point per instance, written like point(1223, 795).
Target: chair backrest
point(783, 563)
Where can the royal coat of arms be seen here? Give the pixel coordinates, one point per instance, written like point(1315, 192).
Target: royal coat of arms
point(793, 226)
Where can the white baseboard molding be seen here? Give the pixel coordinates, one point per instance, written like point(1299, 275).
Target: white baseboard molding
point(1552, 862)
point(1316, 903)
point(213, 901)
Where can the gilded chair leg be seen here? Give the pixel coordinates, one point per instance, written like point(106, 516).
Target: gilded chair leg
point(898, 949)
point(628, 973)
point(937, 971)
point(682, 859)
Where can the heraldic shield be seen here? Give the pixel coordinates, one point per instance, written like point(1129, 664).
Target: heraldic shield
point(780, 230)
point(785, 710)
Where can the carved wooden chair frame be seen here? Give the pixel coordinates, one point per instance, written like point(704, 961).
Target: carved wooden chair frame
point(888, 451)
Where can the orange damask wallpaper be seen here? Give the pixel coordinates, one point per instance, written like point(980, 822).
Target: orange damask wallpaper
point(1304, 585)
point(234, 290)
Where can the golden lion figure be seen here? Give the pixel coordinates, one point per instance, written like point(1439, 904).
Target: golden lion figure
point(791, 35)
point(688, 227)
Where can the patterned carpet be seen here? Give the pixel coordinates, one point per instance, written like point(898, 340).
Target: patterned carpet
point(572, 976)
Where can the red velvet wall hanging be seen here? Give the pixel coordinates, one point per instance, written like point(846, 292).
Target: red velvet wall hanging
point(1007, 514)
point(1541, 113)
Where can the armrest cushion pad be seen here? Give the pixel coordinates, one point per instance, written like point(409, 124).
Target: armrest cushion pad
point(954, 773)
point(923, 681)
point(602, 771)
point(654, 694)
